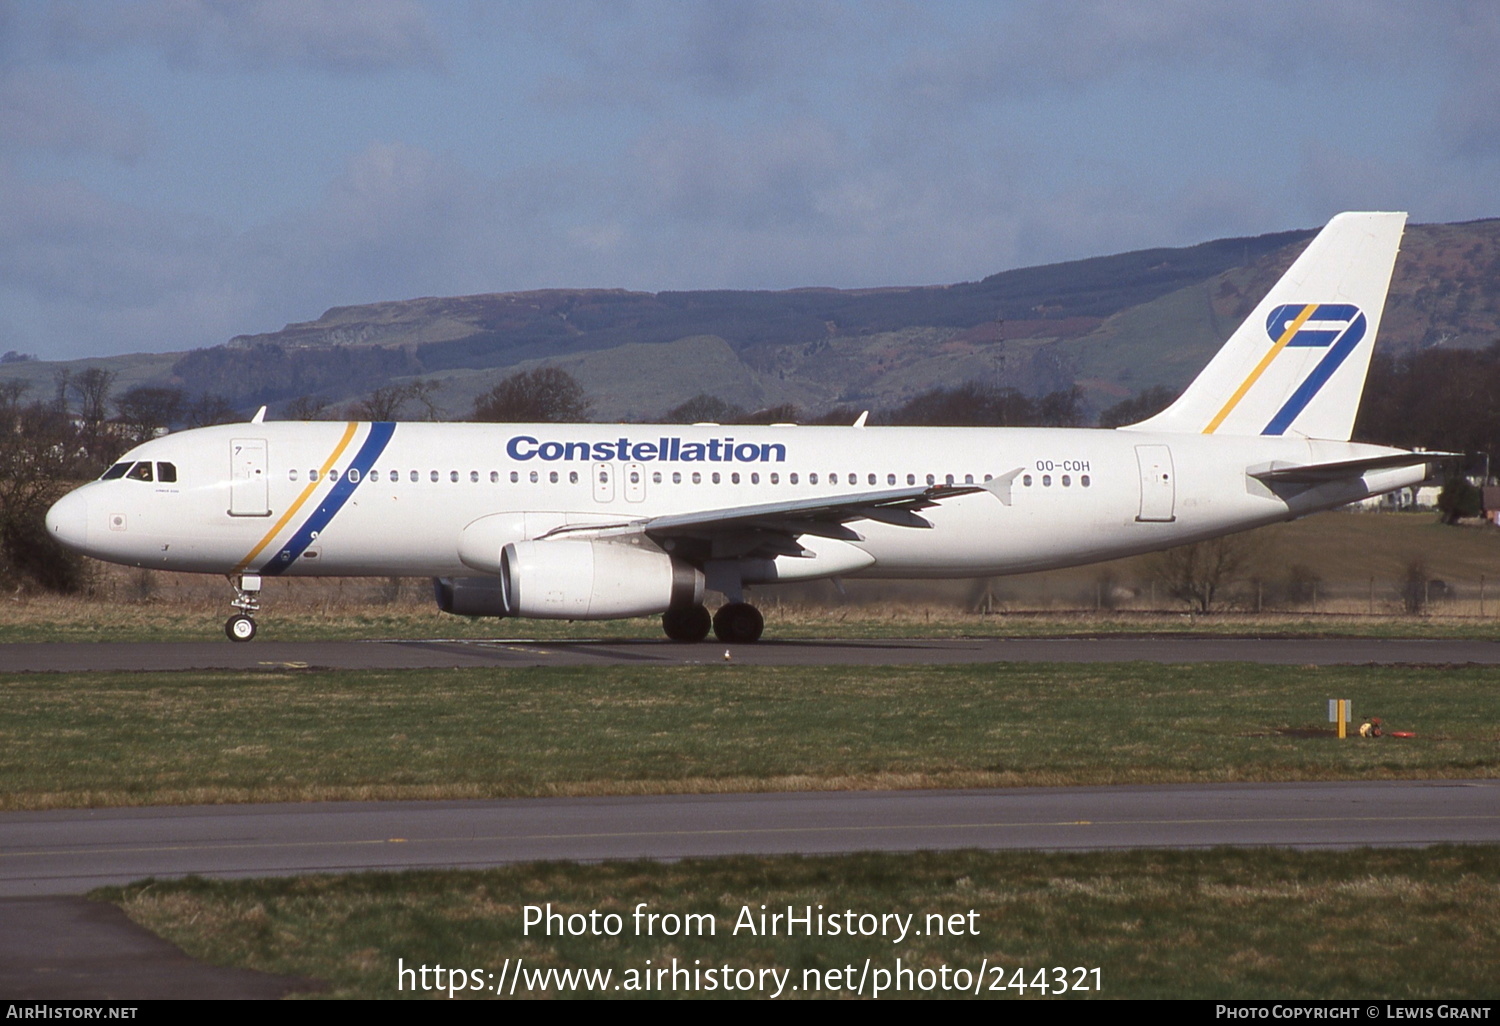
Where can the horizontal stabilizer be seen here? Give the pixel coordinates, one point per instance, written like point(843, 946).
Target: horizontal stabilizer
point(1317, 473)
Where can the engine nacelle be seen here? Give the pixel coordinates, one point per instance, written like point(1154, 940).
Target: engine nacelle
point(470, 596)
point(594, 580)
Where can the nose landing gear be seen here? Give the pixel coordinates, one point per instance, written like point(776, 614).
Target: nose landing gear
point(241, 626)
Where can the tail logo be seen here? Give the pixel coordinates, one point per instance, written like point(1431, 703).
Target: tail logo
point(1336, 327)
point(1325, 325)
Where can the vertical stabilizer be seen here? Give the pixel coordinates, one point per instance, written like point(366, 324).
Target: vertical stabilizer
point(1297, 365)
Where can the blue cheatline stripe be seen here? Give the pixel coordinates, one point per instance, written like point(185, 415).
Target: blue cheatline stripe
point(369, 452)
point(1318, 378)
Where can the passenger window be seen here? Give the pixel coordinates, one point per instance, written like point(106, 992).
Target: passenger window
point(494, 477)
point(911, 479)
point(453, 476)
point(534, 477)
point(792, 478)
point(1046, 480)
point(734, 478)
point(812, 478)
point(415, 477)
point(515, 477)
point(140, 472)
point(353, 476)
point(433, 476)
point(1066, 480)
point(312, 475)
point(635, 476)
point(333, 475)
point(552, 477)
point(890, 479)
point(656, 477)
point(968, 479)
point(776, 479)
point(166, 473)
point(676, 477)
point(872, 478)
point(291, 475)
point(948, 480)
point(1026, 480)
point(931, 480)
point(473, 477)
point(1084, 480)
point(754, 478)
point(697, 478)
point(572, 477)
point(716, 477)
point(116, 471)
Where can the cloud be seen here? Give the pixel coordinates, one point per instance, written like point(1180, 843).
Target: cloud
point(1042, 47)
point(47, 110)
point(1469, 120)
point(651, 52)
point(332, 35)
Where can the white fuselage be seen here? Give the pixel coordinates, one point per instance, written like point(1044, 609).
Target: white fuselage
point(244, 500)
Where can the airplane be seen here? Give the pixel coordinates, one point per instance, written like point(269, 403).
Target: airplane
point(598, 521)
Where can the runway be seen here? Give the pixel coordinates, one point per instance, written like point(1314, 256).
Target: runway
point(502, 652)
point(72, 851)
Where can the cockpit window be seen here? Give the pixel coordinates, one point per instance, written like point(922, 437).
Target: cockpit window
point(140, 472)
point(115, 472)
point(166, 473)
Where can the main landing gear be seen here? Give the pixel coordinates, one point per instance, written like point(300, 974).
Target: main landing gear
point(737, 623)
point(241, 626)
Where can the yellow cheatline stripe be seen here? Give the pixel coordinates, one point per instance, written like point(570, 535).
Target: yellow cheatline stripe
point(312, 486)
point(1286, 336)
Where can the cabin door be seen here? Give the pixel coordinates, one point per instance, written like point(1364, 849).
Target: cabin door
point(1158, 484)
point(249, 487)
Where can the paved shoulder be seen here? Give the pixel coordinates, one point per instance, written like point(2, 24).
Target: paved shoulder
point(71, 851)
point(519, 652)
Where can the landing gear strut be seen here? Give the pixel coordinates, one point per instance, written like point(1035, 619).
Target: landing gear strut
point(738, 623)
point(241, 626)
point(689, 623)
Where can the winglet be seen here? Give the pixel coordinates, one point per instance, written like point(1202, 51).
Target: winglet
point(859, 421)
point(260, 416)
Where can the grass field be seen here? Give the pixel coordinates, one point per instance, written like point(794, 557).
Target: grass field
point(69, 740)
point(1219, 924)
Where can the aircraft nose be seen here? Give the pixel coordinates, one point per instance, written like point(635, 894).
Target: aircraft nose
point(68, 520)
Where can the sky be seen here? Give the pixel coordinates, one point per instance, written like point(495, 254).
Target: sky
point(177, 172)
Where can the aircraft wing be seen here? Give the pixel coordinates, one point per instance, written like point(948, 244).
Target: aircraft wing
point(822, 516)
point(1317, 473)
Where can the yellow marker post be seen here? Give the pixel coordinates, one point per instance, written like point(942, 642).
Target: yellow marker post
point(1342, 710)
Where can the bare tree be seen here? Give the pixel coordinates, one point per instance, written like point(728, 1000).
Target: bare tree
point(90, 391)
point(705, 409)
point(146, 409)
point(1199, 574)
point(306, 407)
point(389, 402)
point(39, 452)
point(545, 395)
point(209, 409)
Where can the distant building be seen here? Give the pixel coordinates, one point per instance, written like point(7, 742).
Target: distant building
point(1489, 501)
